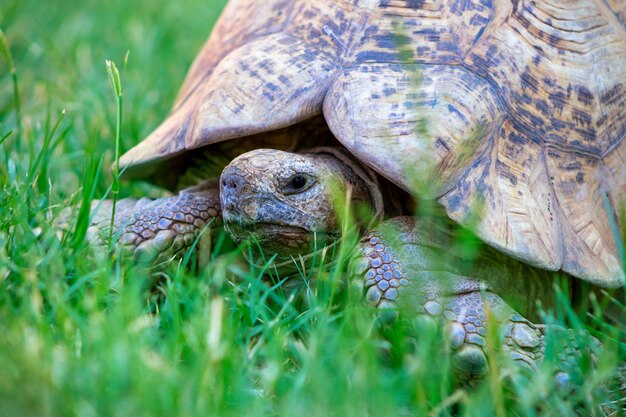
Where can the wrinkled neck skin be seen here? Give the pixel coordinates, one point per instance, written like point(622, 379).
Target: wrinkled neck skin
point(286, 206)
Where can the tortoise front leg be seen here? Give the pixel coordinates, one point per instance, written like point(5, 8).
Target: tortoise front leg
point(404, 268)
point(156, 230)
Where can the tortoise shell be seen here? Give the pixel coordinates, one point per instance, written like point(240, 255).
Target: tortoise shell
point(514, 109)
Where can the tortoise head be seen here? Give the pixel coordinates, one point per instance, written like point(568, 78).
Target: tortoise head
point(286, 204)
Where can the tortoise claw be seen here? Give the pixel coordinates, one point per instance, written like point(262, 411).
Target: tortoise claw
point(470, 362)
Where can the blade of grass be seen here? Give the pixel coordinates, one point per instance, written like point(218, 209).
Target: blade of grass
point(6, 151)
point(44, 170)
point(191, 250)
point(92, 172)
point(5, 137)
point(116, 86)
point(44, 149)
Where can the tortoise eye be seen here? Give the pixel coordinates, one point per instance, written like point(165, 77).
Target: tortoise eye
point(298, 183)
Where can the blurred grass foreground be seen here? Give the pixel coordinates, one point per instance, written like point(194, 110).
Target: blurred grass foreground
point(84, 334)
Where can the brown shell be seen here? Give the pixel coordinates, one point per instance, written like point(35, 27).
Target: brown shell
point(514, 108)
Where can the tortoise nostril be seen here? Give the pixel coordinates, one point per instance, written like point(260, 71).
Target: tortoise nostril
point(231, 180)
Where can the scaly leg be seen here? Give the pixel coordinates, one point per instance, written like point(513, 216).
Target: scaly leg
point(156, 230)
point(404, 267)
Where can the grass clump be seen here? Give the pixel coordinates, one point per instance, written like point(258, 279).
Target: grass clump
point(83, 333)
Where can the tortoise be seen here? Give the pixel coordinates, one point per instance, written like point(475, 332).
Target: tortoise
point(515, 110)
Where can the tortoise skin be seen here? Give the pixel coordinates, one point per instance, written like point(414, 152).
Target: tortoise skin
point(514, 108)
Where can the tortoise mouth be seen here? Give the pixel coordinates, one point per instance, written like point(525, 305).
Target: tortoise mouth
point(261, 231)
point(280, 242)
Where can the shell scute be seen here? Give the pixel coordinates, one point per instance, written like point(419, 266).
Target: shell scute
point(432, 119)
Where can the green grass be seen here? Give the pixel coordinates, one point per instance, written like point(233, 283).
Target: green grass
point(85, 333)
